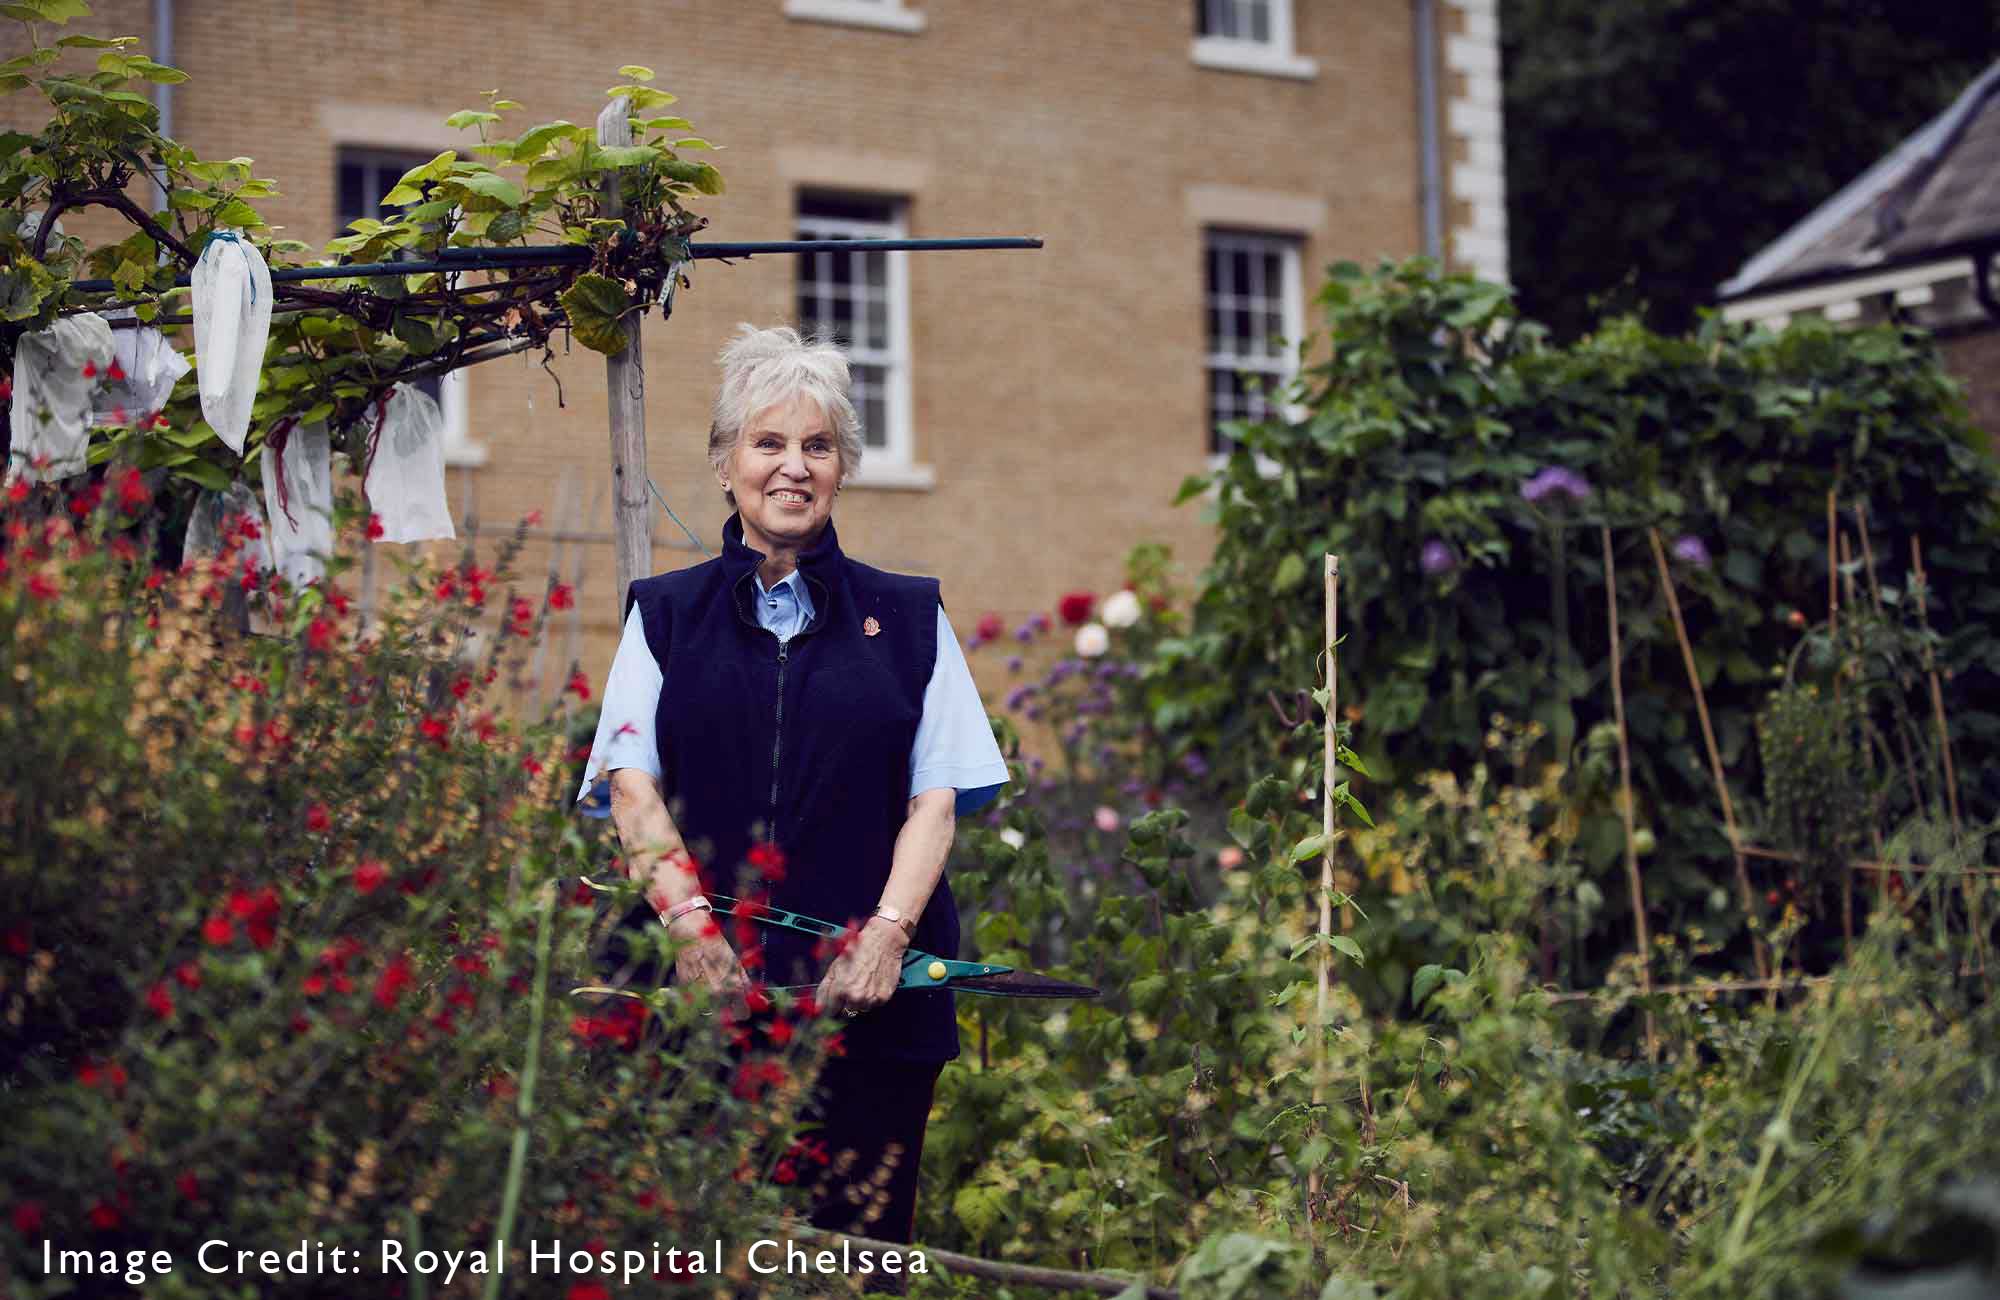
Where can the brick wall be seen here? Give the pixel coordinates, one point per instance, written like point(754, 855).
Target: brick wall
point(1975, 360)
point(1058, 395)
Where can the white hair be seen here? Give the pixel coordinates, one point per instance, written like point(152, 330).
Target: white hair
point(769, 367)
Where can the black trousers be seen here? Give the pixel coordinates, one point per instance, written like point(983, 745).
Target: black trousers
point(863, 1143)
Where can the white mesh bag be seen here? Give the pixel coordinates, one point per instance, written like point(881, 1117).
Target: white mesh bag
point(405, 483)
point(232, 322)
point(138, 385)
point(53, 394)
point(298, 499)
point(211, 520)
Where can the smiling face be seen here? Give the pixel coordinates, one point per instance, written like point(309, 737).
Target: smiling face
point(784, 471)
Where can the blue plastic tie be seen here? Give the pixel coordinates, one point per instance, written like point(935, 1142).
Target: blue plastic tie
point(237, 240)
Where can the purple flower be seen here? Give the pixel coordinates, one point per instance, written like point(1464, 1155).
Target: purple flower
point(1437, 557)
point(1013, 663)
point(1017, 697)
point(1024, 633)
point(1194, 764)
point(1039, 622)
point(1555, 478)
point(1689, 549)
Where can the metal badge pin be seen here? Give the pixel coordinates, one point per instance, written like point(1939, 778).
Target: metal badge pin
point(869, 627)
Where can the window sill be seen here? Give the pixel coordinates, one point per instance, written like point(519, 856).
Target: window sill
point(467, 455)
point(895, 477)
point(1226, 55)
point(883, 15)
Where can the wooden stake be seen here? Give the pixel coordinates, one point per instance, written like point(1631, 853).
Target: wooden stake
point(1937, 692)
point(1326, 861)
point(1714, 752)
point(1632, 878)
point(625, 379)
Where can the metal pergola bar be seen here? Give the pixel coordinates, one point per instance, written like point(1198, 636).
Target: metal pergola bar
point(501, 259)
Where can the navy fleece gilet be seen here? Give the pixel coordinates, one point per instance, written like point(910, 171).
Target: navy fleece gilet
point(806, 744)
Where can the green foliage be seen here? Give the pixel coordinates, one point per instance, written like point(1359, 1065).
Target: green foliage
point(291, 933)
point(1429, 427)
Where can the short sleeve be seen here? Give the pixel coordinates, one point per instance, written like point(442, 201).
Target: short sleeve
point(625, 726)
point(955, 745)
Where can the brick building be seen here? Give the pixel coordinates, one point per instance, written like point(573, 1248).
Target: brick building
point(1192, 167)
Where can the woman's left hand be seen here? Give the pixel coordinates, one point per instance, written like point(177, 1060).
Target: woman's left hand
point(865, 976)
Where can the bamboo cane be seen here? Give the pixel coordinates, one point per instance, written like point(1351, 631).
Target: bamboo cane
point(1326, 861)
point(1937, 692)
point(1632, 877)
point(1944, 750)
point(1714, 752)
point(625, 378)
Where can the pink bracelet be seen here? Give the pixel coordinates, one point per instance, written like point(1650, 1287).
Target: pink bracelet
point(699, 903)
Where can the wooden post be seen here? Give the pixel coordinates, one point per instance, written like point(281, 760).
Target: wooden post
point(625, 381)
point(1633, 880)
point(1714, 752)
point(1326, 864)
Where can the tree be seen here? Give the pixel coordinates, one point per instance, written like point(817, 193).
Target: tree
point(1654, 145)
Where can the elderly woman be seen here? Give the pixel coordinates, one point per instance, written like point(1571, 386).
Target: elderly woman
point(783, 693)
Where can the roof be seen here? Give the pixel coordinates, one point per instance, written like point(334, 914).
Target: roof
point(1936, 195)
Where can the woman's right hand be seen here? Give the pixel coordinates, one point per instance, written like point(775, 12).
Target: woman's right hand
point(706, 957)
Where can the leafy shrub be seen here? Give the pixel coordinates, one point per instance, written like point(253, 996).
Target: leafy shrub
point(291, 926)
point(1461, 466)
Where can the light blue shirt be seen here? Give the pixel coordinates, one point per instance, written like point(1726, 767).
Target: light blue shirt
point(954, 747)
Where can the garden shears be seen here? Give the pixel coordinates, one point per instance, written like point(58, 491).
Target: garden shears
point(922, 970)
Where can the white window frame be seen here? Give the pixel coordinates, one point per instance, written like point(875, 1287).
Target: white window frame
point(892, 464)
point(1291, 315)
point(883, 15)
point(454, 401)
point(1273, 58)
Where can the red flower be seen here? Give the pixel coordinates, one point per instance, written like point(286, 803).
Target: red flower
point(579, 685)
point(436, 730)
point(103, 1215)
point(218, 930)
point(42, 587)
point(807, 1005)
point(90, 370)
point(20, 941)
point(756, 999)
point(395, 977)
point(132, 492)
point(317, 818)
point(483, 728)
point(314, 984)
point(368, 877)
point(117, 372)
point(461, 687)
point(470, 963)
point(769, 860)
point(990, 628)
point(785, 1173)
point(588, 1291)
point(531, 765)
point(6, 389)
point(17, 491)
point(319, 634)
point(375, 529)
point(160, 420)
point(781, 1032)
point(561, 596)
point(28, 1218)
point(189, 1188)
point(159, 1001)
point(188, 975)
point(446, 588)
point(1074, 608)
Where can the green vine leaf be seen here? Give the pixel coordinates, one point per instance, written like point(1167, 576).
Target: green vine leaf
point(595, 304)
